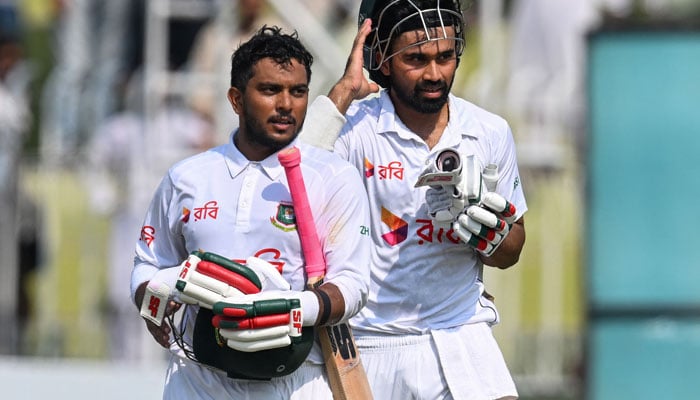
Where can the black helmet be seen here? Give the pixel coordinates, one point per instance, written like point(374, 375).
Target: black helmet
point(390, 18)
point(211, 349)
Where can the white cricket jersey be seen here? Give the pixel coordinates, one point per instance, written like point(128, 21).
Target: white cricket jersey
point(422, 277)
point(220, 202)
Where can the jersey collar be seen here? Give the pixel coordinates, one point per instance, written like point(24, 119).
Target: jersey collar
point(388, 122)
point(237, 162)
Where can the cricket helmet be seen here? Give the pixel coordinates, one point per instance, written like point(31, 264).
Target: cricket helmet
point(209, 348)
point(391, 18)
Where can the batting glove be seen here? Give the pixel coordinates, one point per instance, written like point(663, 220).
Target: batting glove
point(207, 278)
point(443, 206)
point(265, 320)
point(159, 291)
point(451, 191)
point(485, 226)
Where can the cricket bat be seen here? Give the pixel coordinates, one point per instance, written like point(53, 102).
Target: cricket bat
point(346, 374)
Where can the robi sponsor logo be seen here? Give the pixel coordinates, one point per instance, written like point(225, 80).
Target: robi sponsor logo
point(399, 228)
point(423, 229)
point(369, 169)
point(428, 234)
point(393, 170)
point(268, 254)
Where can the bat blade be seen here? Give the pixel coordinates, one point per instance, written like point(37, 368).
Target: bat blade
point(346, 374)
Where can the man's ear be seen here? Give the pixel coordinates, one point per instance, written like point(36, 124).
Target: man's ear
point(384, 67)
point(235, 97)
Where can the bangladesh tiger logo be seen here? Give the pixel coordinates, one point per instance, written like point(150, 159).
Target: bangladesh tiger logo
point(284, 219)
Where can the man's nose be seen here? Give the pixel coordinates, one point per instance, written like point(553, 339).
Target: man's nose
point(284, 101)
point(431, 72)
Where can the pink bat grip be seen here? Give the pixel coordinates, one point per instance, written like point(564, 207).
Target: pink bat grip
point(290, 159)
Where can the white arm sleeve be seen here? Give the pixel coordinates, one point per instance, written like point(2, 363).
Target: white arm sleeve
point(322, 124)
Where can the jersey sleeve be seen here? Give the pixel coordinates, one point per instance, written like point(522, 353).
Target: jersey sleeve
point(509, 184)
point(347, 242)
point(161, 244)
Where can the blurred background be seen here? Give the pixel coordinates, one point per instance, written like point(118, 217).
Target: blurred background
point(98, 98)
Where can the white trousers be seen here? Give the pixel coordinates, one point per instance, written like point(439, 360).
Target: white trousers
point(187, 380)
point(462, 363)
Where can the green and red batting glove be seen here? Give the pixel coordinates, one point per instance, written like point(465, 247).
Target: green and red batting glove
point(260, 321)
point(485, 226)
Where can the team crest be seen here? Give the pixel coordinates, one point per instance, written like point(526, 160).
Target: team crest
point(284, 219)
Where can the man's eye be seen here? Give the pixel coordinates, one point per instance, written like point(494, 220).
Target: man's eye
point(299, 92)
point(446, 57)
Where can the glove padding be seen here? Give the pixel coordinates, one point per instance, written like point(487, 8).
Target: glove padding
point(253, 305)
point(485, 226)
point(207, 278)
point(451, 191)
point(159, 291)
point(261, 321)
point(443, 206)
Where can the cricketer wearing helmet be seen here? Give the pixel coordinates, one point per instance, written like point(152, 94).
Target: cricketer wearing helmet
point(445, 200)
point(220, 236)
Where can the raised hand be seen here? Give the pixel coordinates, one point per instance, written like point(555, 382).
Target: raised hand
point(354, 85)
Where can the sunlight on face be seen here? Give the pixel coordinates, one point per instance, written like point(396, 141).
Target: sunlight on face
point(273, 107)
point(422, 73)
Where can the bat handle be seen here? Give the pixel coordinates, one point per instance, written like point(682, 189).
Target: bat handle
point(290, 159)
point(314, 282)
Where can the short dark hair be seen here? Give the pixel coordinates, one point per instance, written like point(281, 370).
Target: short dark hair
point(268, 42)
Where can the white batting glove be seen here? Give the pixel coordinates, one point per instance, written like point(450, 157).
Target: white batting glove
point(270, 277)
point(204, 282)
point(451, 191)
point(263, 321)
point(207, 278)
point(159, 291)
point(443, 206)
point(485, 226)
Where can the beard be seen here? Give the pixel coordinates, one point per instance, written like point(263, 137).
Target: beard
point(257, 134)
point(414, 100)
